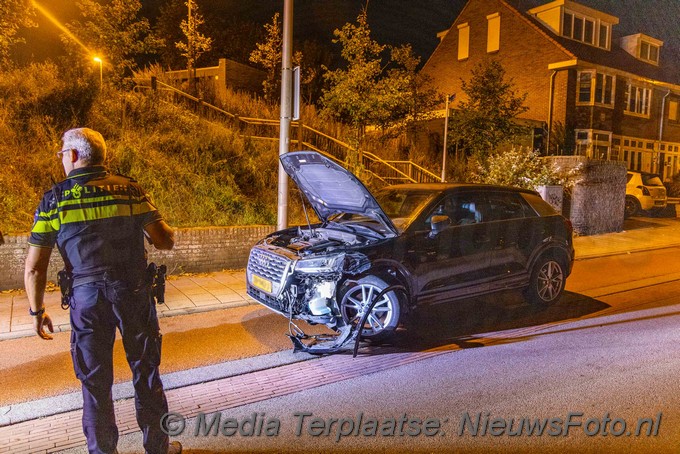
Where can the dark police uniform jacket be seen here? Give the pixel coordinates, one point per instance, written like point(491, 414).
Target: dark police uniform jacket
point(96, 219)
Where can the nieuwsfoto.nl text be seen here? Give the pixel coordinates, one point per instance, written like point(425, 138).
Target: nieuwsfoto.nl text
point(480, 424)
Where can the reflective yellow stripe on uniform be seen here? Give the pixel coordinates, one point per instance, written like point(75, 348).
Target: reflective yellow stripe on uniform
point(46, 225)
point(75, 212)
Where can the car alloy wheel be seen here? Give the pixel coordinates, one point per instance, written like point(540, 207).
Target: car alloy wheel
point(547, 282)
point(632, 207)
point(384, 317)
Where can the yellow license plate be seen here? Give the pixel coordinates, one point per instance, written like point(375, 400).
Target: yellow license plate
point(262, 283)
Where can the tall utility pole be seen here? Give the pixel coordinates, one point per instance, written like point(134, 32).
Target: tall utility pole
point(446, 134)
point(286, 103)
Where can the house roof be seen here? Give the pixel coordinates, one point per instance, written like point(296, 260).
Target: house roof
point(667, 71)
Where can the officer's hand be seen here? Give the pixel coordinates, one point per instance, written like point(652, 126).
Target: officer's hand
point(39, 324)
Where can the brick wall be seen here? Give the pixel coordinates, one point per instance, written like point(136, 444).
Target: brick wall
point(196, 250)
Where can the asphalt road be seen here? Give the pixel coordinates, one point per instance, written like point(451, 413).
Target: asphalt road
point(608, 348)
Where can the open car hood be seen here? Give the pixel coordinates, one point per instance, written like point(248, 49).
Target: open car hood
point(332, 189)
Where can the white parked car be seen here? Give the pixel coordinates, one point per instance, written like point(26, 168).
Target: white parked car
point(644, 191)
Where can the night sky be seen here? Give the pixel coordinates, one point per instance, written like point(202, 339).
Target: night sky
point(392, 21)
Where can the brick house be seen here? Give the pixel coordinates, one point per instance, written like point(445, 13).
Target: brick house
point(597, 95)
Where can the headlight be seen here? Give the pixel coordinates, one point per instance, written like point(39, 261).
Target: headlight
point(328, 264)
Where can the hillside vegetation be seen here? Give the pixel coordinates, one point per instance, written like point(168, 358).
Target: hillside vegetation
point(199, 172)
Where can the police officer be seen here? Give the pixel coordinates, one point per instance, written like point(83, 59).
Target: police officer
point(98, 222)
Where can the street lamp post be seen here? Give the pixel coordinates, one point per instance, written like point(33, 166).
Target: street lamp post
point(286, 111)
point(446, 134)
point(101, 78)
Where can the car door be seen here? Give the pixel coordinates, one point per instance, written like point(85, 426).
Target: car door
point(455, 261)
point(519, 229)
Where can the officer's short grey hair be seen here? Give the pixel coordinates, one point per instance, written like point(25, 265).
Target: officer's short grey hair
point(89, 144)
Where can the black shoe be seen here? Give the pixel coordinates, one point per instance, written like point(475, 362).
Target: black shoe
point(175, 447)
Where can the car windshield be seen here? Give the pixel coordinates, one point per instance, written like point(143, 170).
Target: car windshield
point(402, 206)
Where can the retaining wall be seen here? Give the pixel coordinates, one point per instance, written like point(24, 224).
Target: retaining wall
point(196, 250)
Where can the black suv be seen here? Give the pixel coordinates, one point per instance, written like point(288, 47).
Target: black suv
point(425, 243)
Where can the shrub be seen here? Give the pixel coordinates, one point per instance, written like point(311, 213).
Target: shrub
point(673, 186)
point(520, 167)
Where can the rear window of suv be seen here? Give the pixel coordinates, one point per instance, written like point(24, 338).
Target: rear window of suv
point(537, 203)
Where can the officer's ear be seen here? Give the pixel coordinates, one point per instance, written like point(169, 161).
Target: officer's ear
point(74, 155)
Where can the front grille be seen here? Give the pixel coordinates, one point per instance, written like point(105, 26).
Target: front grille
point(270, 266)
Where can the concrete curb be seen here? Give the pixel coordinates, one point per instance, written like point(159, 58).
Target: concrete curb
point(50, 406)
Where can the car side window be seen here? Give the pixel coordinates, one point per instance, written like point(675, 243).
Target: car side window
point(508, 205)
point(462, 209)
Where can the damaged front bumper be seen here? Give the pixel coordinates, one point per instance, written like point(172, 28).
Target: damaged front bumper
point(306, 289)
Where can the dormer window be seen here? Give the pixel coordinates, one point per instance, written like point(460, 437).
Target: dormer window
point(585, 29)
point(642, 47)
point(649, 52)
point(578, 22)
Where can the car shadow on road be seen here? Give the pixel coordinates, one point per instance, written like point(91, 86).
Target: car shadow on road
point(466, 323)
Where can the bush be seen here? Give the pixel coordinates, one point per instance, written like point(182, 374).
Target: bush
point(673, 186)
point(518, 167)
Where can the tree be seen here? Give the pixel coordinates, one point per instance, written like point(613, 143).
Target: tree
point(268, 55)
point(197, 43)
point(392, 96)
point(353, 96)
point(487, 117)
point(114, 32)
point(413, 96)
point(14, 14)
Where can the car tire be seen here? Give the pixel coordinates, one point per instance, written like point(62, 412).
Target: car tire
point(385, 315)
point(547, 281)
point(632, 207)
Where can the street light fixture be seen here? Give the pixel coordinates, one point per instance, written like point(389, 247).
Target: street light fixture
point(101, 79)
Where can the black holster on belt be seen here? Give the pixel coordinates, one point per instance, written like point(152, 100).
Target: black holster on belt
point(65, 282)
point(156, 276)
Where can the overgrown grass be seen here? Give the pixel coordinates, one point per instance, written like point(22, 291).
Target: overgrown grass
point(199, 173)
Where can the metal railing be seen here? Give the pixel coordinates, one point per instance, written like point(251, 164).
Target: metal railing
point(369, 166)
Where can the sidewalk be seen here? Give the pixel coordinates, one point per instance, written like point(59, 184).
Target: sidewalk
point(188, 294)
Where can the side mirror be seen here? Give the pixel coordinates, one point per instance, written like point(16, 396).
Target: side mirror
point(438, 223)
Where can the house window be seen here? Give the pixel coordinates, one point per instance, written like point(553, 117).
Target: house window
point(493, 37)
point(638, 100)
point(604, 36)
point(585, 87)
point(604, 88)
point(673, 111)
point(649, 52)
point(589, 32)
point(463, 41)
point(595, 88)
point(567, 25)
point(585, 29)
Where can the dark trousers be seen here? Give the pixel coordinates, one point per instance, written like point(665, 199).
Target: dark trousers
point(96, 310)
